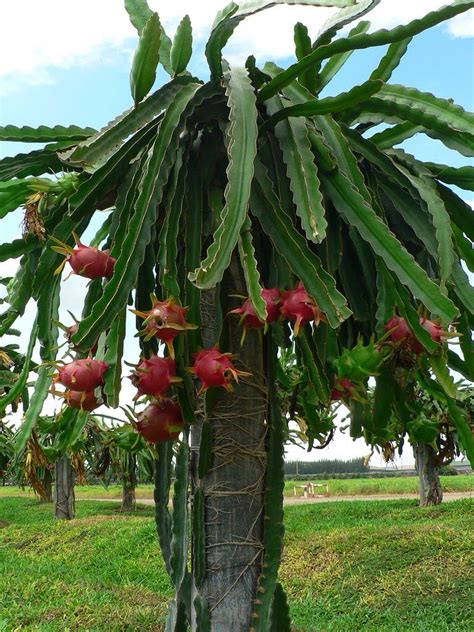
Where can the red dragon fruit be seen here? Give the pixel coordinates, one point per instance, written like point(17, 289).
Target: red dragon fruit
point(398, 330)
point(160, 421)
point(435, 331)
point(154, 376)
point(300, 308)
point(343, 389)
point(215, 368)
point(249, 318)
point(165, 320)
point(85, 400)
point(86, 261)
point(400, 333)
point(82, 375)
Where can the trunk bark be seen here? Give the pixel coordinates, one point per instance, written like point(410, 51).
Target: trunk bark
point(234, 485)
point(47, 496)
point(64, 500)
point(129, 483)
point(431, 492)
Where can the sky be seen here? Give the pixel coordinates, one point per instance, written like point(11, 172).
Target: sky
point(69, 63)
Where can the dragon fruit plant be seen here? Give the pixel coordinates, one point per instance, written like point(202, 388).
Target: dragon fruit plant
point(250, 180)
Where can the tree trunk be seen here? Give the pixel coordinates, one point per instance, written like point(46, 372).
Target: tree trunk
point(64, 500)
point(129, 483)
point(428, 473)
point(47, 496)
point(234, 485)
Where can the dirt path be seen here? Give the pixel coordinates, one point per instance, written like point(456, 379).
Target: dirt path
point(294, 500)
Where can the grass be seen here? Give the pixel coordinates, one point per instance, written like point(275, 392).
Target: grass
point(342, 487)
point(378, 566)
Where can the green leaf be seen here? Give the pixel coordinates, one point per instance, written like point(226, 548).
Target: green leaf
point(145, 60)
point(139, 12)
point(460, 212)
point(94, 152)
point(168, 236)
point(230, 17)
point(302, 48)
point(390, 60)
point(336, 62)
point(427, 190)
point(241, 135)
point(395, 135)
point(20, 384)
point(332, 105)
point(281, 621)
point(44, 134)
point(379, 38)
point(40, 393)
point(293, 138)
point(440, 369)
point(250, 268)
point(462, 177)
point(182, 47)
point(154, 177)
point(348, 193)
point(163, 470)
point(17, 248)
point(294, 248)
point(348, 14)
point(457, 416)
point(92, 191)
point(113, 356)
point(179, 540)
point(35, 163)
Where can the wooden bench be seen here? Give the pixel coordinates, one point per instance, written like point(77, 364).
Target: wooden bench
point(309, 490)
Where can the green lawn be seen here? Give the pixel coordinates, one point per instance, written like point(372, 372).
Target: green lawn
point(354, 487)
point(378, 566)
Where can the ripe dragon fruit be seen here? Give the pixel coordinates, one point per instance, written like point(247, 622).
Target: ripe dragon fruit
point(300, 308)
point(249, 318)
point(82, 375)
point(215, 368)
point(400, 333)
point(86, 261)
point(165, 320)
point(343, 389)
point(360, 362)
point(160, 421)
point(85, 400)
point(154, 376)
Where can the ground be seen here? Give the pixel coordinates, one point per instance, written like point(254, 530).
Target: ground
point(378, 566)
point(337, 487)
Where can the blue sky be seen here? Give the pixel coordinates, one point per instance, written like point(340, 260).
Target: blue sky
point(73, 68)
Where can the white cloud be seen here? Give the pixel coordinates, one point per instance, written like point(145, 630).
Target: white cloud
point(37, 37)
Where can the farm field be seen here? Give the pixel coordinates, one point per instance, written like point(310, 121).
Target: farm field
point(381, 566)
point(337, 487)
